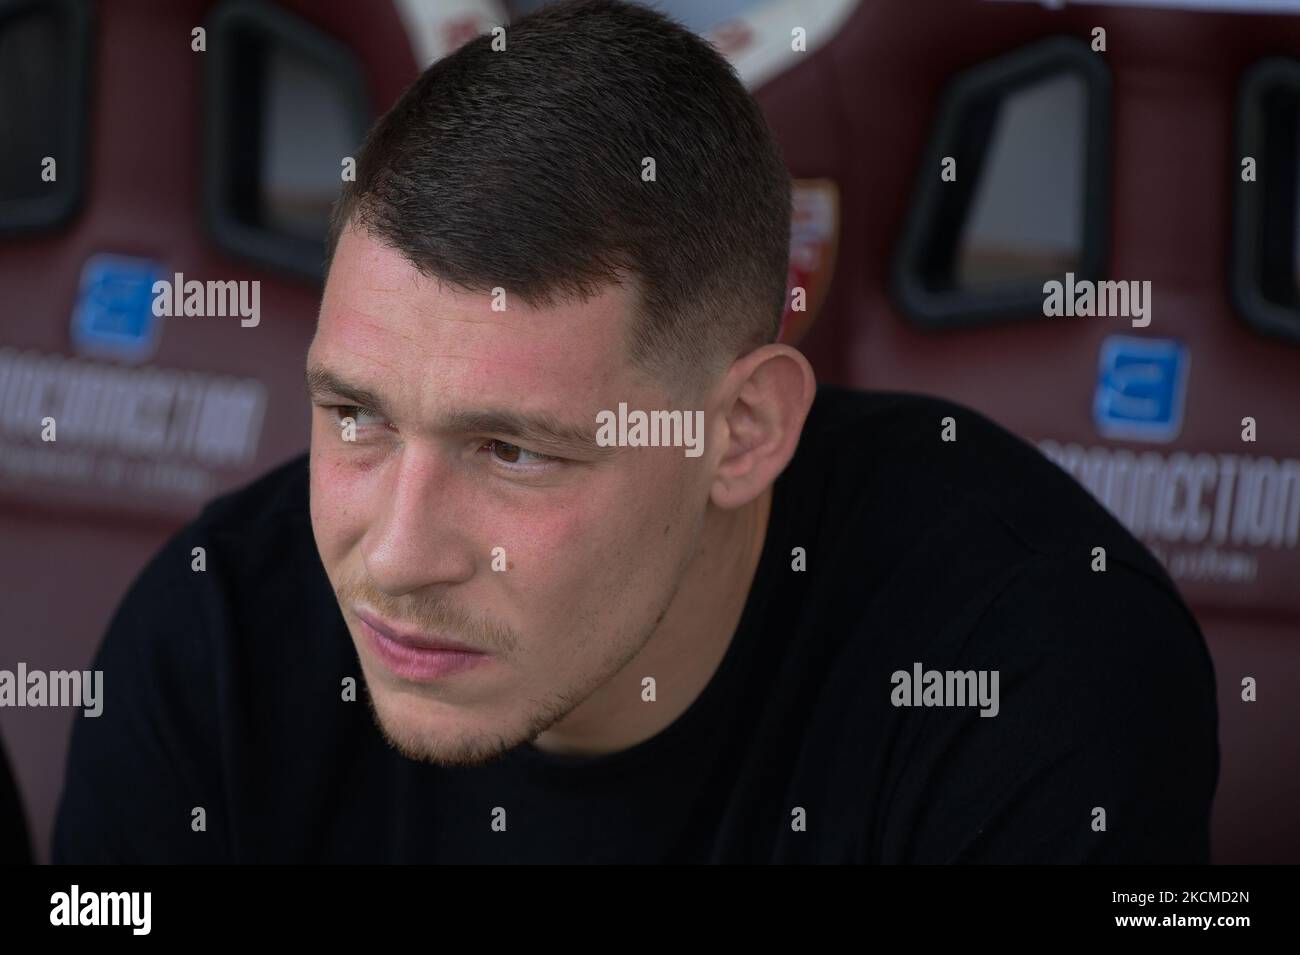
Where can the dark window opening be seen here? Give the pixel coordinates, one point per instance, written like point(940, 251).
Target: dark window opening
point(285, 106)
point(1028, 134)
point(44, 52)
point(1266, 272)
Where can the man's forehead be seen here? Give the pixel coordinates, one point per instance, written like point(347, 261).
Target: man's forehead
point(378, 305)
point(438, 360)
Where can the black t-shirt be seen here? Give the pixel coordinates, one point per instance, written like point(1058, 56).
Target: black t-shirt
point(223, 690)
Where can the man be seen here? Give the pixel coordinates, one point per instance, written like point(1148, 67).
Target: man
point(583, 567)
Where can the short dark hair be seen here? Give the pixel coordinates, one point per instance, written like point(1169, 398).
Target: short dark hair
point(522, 169)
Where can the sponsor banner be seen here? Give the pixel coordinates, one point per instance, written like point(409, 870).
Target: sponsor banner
point(98, 432)
point(1219, 522)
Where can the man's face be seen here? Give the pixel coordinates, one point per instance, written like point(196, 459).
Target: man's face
point(440, 489)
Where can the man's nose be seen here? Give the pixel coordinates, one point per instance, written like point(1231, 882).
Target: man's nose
point(417, 539)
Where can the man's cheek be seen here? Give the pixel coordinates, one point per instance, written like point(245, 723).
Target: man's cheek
point(540, 541)
point(551, 565)
point(339, 496)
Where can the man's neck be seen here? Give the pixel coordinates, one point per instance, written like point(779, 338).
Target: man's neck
point(686, 648)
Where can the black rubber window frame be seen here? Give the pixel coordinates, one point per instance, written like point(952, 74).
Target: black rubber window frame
point(1264, 211)
point(64, 199)
point(295, 255)
point(938, 210)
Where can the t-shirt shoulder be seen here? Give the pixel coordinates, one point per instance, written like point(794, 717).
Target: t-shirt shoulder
point(242, 542)
point(277, 494)
point(937, 462)
point(170, 658)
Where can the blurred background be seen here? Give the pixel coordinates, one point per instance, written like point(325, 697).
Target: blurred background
point(1155, 141)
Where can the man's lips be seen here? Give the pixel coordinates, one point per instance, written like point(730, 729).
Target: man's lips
point(410, 638)
point(414, 656)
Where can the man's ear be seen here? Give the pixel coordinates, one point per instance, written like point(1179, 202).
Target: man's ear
point(765, 398)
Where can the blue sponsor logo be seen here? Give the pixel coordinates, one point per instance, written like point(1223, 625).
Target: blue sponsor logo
point(1141, 383)
point(113, 317)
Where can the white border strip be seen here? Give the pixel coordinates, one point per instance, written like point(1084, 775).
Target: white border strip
point(1197, 6)
point(426, 22)
point(769, 54)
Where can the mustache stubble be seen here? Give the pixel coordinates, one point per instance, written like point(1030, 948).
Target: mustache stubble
point(429, 613)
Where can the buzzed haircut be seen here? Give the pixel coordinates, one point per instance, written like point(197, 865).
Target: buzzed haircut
point(522, 168)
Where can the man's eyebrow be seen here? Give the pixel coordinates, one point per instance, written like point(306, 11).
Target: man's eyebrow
point(322, 382)
point(530, 428)
point(534, 428)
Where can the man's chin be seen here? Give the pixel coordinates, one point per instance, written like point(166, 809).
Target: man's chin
point(409, 726)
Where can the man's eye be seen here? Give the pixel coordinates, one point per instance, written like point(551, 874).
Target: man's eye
point(362, 416)
point(513, 454)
